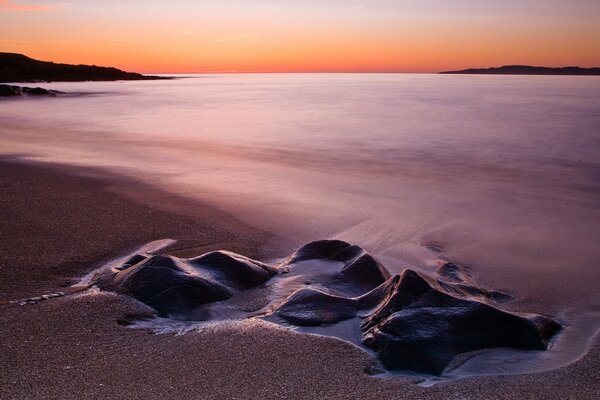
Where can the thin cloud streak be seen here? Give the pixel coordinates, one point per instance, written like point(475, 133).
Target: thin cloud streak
point(361, 5)
point(351, 9)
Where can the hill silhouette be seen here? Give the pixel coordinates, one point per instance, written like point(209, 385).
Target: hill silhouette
point(528, 70)
point(20, 68)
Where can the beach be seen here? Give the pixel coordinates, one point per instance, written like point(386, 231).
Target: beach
point(358, 199)
point(61, 222)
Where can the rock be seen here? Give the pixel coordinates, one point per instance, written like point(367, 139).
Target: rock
point(401, 291)
point(413, 321)
point(9, 91)
point(174, 286)
point(457, 280)
point(452, 272)
point(336, 250)
point(364, 272)
point(310, 307)
point(419, 328)
point(12, 91)
point(360, 272)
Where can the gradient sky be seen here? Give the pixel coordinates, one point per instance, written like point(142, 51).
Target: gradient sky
point(304, 35)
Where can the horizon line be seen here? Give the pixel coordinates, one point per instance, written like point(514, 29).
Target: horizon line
point(287, 72)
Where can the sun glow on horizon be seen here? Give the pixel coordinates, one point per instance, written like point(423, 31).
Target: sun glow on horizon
point(303, 36)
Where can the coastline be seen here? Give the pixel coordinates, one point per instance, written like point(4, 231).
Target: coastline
point(87, 216)
point(60, 222)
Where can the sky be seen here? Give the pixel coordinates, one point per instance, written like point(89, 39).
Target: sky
point(183, 36)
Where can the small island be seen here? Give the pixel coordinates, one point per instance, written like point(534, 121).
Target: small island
point(527, 70)
point(20, 68)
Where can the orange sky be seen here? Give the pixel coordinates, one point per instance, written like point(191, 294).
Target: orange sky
point(303, 35)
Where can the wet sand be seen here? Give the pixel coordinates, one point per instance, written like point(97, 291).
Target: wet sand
point(59, 223)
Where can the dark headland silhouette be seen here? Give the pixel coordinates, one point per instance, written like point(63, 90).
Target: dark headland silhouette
point(527, 70)
point(20, 68)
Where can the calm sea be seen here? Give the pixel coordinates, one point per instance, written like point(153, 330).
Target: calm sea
point(500, 173)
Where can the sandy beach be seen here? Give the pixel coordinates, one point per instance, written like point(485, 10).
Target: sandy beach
point(259, 199)
point(59, 223)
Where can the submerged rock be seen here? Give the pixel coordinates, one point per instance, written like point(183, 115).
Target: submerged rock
point(12, 91)
point(414, 321)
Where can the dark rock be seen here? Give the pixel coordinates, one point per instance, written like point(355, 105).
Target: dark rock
point(174, 286)
point(364, 272)
point(419, 328)
point(310, 307)
point(11, 91)
point(456, 280)
point(360, 273)
point(335, 250)
point(452, 272)
point(137, 258)
point(474, 292)
point(402, 290)
point(413, 321)
point(233, 270)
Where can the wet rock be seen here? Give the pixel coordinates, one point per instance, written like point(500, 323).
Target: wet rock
point(310, 307)
point(419, 328)
point(474, 292)
point(452, 272)
point(402, 290)
point(12, 91)
point(456, 280)
point(336, 250)
point(174, 286)
point(413, 321)
point(364, 272)
point(360, 272)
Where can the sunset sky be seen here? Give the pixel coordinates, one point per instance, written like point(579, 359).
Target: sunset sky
point(303, 35)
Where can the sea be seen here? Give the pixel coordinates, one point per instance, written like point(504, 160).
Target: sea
point(500, 174)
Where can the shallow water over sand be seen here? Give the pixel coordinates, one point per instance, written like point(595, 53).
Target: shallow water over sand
point(499, 173)
point(279, 301)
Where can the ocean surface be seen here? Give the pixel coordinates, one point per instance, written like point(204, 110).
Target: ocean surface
point(497, 173)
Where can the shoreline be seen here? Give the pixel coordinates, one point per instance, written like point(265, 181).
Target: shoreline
point(73, 347)
point(228, 230)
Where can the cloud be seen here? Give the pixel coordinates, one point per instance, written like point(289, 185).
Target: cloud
point(10, 5)
point(347, 10)
point(361, 5)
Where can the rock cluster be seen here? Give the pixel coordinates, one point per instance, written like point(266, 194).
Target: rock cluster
point(414, 321)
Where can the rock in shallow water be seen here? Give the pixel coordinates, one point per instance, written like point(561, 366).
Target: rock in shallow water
point(12, 91)
point(174, 286)
point(413, 321)
point(419, 328)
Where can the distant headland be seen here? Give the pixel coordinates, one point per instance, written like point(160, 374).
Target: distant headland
point(528, 70)
point(20, 68)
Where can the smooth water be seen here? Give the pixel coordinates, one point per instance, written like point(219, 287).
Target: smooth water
point(499, 173)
